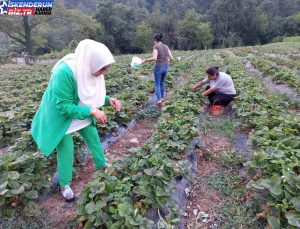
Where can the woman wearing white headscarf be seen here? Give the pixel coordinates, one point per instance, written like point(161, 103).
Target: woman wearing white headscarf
point(71, 103)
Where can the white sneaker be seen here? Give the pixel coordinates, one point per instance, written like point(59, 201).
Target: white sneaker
point(67, 193)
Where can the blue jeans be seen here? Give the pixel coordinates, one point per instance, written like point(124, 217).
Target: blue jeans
point(160, 73)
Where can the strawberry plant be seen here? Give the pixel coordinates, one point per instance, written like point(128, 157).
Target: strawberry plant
point(23, 176)
point(275, 164)
point(142, 180)
point(125, 194)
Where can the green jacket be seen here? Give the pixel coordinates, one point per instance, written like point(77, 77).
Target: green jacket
point(57, 110)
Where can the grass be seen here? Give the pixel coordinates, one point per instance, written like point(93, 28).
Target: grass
point(232, 211)
point(22, 221)
point(226, 180)
point(224, 126)
point(292, 39)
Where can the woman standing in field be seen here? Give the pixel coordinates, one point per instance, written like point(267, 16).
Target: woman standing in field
point(221, 88)
point(71, 103)
point(162, 56)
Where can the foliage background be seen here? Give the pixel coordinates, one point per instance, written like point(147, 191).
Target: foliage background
point(128, 26)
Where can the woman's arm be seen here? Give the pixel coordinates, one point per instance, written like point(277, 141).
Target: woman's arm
point(198, 85)
point(207, 92)
point(63, 91)
point(170, 54)
point(153, 58)
point(113, 102)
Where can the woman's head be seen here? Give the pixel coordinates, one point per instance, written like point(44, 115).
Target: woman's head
point(101, 71)
point(212, 73)
point(157, 38)
point(95, 55)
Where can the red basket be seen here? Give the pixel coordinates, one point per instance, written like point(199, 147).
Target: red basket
point(216, 110)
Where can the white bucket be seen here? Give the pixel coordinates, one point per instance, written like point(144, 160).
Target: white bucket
point(136, 62)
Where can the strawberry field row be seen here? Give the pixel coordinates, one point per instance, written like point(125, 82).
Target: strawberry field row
point(25, 173)
point(122, 196)
point(274, 169)
point(281, 68)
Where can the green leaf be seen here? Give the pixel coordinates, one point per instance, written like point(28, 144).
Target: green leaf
point(100, 204)
point(271, 150)
point(274, 223)
point(90, 207)
point(293, 218)
point(96, 188)
point(2, 202)
point(276, 190)
point(278, 154)
point(158, 173)
point(13, 175)
point(131, 221)
point(150, 171)
point(124, 209)
point(3, 185)
point(108, 187)
point(18, 191)
point(3, 191)
point(296, 202)
point(33, 194)
point(275, 181)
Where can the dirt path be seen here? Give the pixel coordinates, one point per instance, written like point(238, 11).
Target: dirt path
point(271, 86)
point(202, 198)
point(60, 212)
point(209, 189)
point(217, 195)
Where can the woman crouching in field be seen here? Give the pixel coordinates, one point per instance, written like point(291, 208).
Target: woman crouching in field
point(220, 89)
point(71, 103)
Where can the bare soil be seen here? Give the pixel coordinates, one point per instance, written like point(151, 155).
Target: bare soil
point(215, 144)
point(202, 198)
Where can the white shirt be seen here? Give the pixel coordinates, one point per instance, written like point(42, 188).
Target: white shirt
point(223, 84)
point(78, 124)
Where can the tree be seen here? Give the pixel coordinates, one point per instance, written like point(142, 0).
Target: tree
point(32, 31)
point(292, 24)
point(143, 37)
point(120, 22)
point(232, 40)
point(262, 22)
point(188, 30)
point(280, 8)
point(240, 18)
point(165, 24)
point(20, 30)
point(204, 36)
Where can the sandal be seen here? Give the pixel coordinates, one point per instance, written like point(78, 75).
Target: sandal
point(67, 194)
point(159, 103)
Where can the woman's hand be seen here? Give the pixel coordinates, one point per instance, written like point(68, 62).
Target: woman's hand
point(144, 61)
point(100, 116)
point(194, 88)
point(115, 103)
